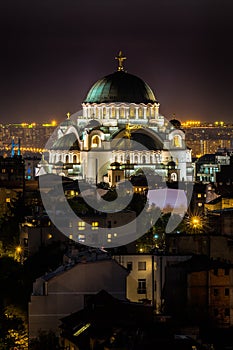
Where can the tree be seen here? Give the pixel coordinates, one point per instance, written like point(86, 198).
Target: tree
point(45, 341)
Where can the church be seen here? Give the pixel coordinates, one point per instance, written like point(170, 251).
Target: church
point(119, 132)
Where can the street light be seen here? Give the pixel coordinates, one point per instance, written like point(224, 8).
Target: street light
point(196, 222)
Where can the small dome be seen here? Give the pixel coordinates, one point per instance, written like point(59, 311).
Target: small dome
point(66, 142)
point(93, 123)
point(120, 87)
point(115, 164)
point(171, 164)
point(176, 123)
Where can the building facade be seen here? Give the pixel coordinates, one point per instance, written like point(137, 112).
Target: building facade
point(120, 122)
point(146, 278)
point(61, 292)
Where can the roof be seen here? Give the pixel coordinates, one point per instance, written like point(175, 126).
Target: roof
point(66, 142)
point(120, 87)
point(141, 138)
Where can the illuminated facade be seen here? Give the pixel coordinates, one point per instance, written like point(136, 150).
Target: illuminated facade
point(120, 108)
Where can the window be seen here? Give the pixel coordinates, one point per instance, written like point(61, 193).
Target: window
point(216, 272)
point(81, 238)
point(141, 286)
point(216, 292)
point(177, 141)
point(226, 272)
point(95, 225)
point(129, 265)
point(141, 265)
point(117, 178)
point(215, 312)
point(227, 311)
point(227, 292)
point(81, 225)
point(95, 141)
point(199, 195)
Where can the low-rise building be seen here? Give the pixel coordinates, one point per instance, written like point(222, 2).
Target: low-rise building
point(146, 279)
point(60, 292)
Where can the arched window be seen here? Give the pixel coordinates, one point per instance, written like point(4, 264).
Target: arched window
point(74, 158)
point(173, 176)
point(67, 159)
point(113, 112)
point(136, 159)
point(140, 113)
point(131, 112)
point(95, 141)
point(177, 142)
point(122, 113)
point(143, 159)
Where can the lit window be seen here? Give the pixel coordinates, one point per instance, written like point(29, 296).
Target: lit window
point(141, 265)
point(199, 195)
point(115, 234)
point(8, 200)
point(95, 141)
point(50, 236)
point(109, 235)
point(81, 225)
point(95, 225)
point(70, 236)
point(177, 141)
point(81, 238)
point(199, 204)
point(3, 171)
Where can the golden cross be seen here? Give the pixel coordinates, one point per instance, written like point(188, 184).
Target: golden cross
point(120, 59)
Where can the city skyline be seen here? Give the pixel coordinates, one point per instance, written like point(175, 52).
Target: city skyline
point(53, 53)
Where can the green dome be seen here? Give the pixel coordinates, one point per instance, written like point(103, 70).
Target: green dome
point(66, 142)
point(120, 87)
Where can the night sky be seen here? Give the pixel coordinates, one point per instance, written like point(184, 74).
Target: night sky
point(52, 51)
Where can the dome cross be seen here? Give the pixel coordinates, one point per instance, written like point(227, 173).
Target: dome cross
point(120, 59)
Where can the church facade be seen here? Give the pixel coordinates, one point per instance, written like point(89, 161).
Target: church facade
point(120, 126)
